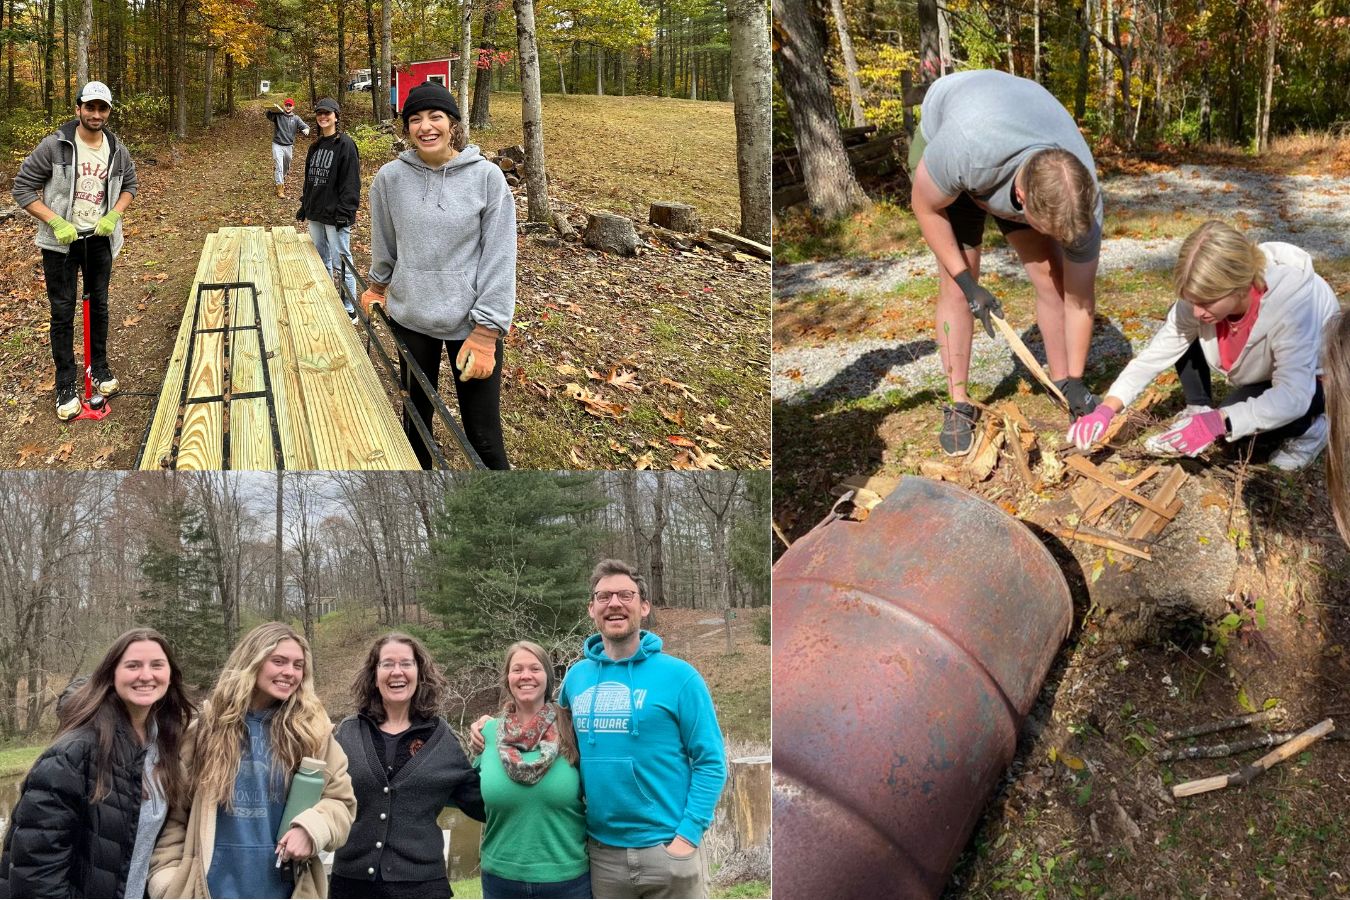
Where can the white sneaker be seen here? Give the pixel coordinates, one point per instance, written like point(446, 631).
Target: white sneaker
point(1155, 447)
point(1297, 452)
point(67, 403)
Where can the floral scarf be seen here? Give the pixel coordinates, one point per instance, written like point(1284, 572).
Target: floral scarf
point(513, 738)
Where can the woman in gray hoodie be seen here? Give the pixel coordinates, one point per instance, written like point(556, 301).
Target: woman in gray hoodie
point(443, 259)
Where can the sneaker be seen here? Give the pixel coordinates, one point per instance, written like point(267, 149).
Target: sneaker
point(67, 402)
point(1154, 447)
point(958, 428)
point(1081, 400)
point(105, 382)
point(1297, 452)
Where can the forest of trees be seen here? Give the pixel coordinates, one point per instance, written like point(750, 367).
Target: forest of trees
point(469, 561)
point(166, 59)
point(1136, 74)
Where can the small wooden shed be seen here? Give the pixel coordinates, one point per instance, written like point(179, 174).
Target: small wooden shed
point(409, 75)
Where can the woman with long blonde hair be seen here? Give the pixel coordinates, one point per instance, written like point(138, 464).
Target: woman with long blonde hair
point(1254, 313)
point(262, 719)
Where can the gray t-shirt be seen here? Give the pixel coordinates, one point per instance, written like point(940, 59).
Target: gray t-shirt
point(982, 126)
point(285, 126)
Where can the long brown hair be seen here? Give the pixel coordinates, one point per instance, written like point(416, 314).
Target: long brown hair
point(95, 705)
point(567, 738)
point(426, 701)
point(1336, 381)
point(299, 728)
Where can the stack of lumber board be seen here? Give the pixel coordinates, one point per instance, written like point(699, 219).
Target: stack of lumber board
point(282, 383)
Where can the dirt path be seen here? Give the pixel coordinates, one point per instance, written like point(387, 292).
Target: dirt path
point(690, 327)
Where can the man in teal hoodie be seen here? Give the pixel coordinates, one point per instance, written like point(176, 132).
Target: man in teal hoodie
point(652, 757)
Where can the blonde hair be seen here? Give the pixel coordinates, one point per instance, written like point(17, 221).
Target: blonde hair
point(1060, 194)
point(567, 738)
point(1336, 378)
point(1217, 260)
point(299, 727)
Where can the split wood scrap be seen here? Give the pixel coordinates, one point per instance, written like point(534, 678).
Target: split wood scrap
point(860, 494)
point(1098, 492)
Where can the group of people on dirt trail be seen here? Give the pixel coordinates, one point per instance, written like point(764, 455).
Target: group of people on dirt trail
point(443, 245)
point(992, 143)
point(604, 788)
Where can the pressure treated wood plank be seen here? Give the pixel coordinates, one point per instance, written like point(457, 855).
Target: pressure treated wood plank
point(380, 423)
point(349, 425)
point(159, 440)
point(260, 263)
point(329, 408)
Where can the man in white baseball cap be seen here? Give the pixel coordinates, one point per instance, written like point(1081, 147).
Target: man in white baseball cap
point(77, 183)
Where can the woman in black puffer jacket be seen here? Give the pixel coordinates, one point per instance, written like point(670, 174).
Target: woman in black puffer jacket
point(93, 803)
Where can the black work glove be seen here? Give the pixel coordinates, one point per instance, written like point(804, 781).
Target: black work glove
point(1081, 400)
point(981, 302)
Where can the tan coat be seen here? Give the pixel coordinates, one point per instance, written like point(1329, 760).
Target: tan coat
point(183, 853)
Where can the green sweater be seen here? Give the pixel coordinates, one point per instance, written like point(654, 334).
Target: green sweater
point(534, 833)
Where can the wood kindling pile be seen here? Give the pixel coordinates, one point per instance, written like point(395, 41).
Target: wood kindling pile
point(280, 382)
point(1098, 492)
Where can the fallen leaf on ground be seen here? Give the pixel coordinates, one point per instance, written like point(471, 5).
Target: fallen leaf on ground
point(624, 379)
point(577, 459)
point(644, 461)
point(129, 321)
point(569, 370)
point(681, 441)
point(28, 450)
point(676, 417)
point(711, 422)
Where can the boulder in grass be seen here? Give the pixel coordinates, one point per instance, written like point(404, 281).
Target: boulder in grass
point(679, 217)
point(611, 233)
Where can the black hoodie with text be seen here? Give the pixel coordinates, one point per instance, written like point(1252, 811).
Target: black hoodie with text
point(332, 189)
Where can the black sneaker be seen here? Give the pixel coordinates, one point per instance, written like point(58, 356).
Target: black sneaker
point(67, 402)
point(958, 428)
point(1081, 400)
point(105, 382)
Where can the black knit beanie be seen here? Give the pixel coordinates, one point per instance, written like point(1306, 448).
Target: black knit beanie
point(430, 95)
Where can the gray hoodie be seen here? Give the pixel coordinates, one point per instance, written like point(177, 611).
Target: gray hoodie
point(444, 240)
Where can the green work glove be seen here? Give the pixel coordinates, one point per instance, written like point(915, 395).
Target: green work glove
point(64, 231)
point(108, 224)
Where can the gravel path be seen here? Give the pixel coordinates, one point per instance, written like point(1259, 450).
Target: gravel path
point(1310, 211)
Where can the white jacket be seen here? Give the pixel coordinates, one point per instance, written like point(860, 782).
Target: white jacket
point(1285, 346)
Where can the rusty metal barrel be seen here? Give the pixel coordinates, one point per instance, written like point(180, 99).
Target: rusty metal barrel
point(907, 649)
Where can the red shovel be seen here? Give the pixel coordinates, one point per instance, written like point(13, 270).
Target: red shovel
point(95, 405)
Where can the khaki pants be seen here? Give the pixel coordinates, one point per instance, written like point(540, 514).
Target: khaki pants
point(646, 872)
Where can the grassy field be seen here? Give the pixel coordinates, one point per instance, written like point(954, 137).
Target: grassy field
point(15, 761)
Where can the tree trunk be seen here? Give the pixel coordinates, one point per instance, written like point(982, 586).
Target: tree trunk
point(209, 99)
point(49, 59)
point(658, 554)
point(1267, 95)
point(465, 51)
point(1036, 41)
point(855, 98)
point(341, 52)
point(82, 42)
point(279, 549)
point(1084, 61)
point(487, 48)
point(831, 187)
point(382, 110)
point(599, 71)
point(752, 90)
point(229, 84)
point(180, 70)
point(378, 86)
point(930, 42)
point(532, 120)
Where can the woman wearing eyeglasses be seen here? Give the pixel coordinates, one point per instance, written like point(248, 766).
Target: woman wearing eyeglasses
point(406, 765)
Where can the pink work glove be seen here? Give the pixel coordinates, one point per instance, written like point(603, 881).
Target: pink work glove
point(1089, 429)
point(1193, 434)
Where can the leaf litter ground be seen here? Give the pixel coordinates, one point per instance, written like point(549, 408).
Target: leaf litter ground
point(670, 348)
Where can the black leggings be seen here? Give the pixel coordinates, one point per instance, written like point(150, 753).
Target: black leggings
point(479, 399)
point(1193, 370)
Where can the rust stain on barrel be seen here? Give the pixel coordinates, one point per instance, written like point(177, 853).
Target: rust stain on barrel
point(907, 650)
